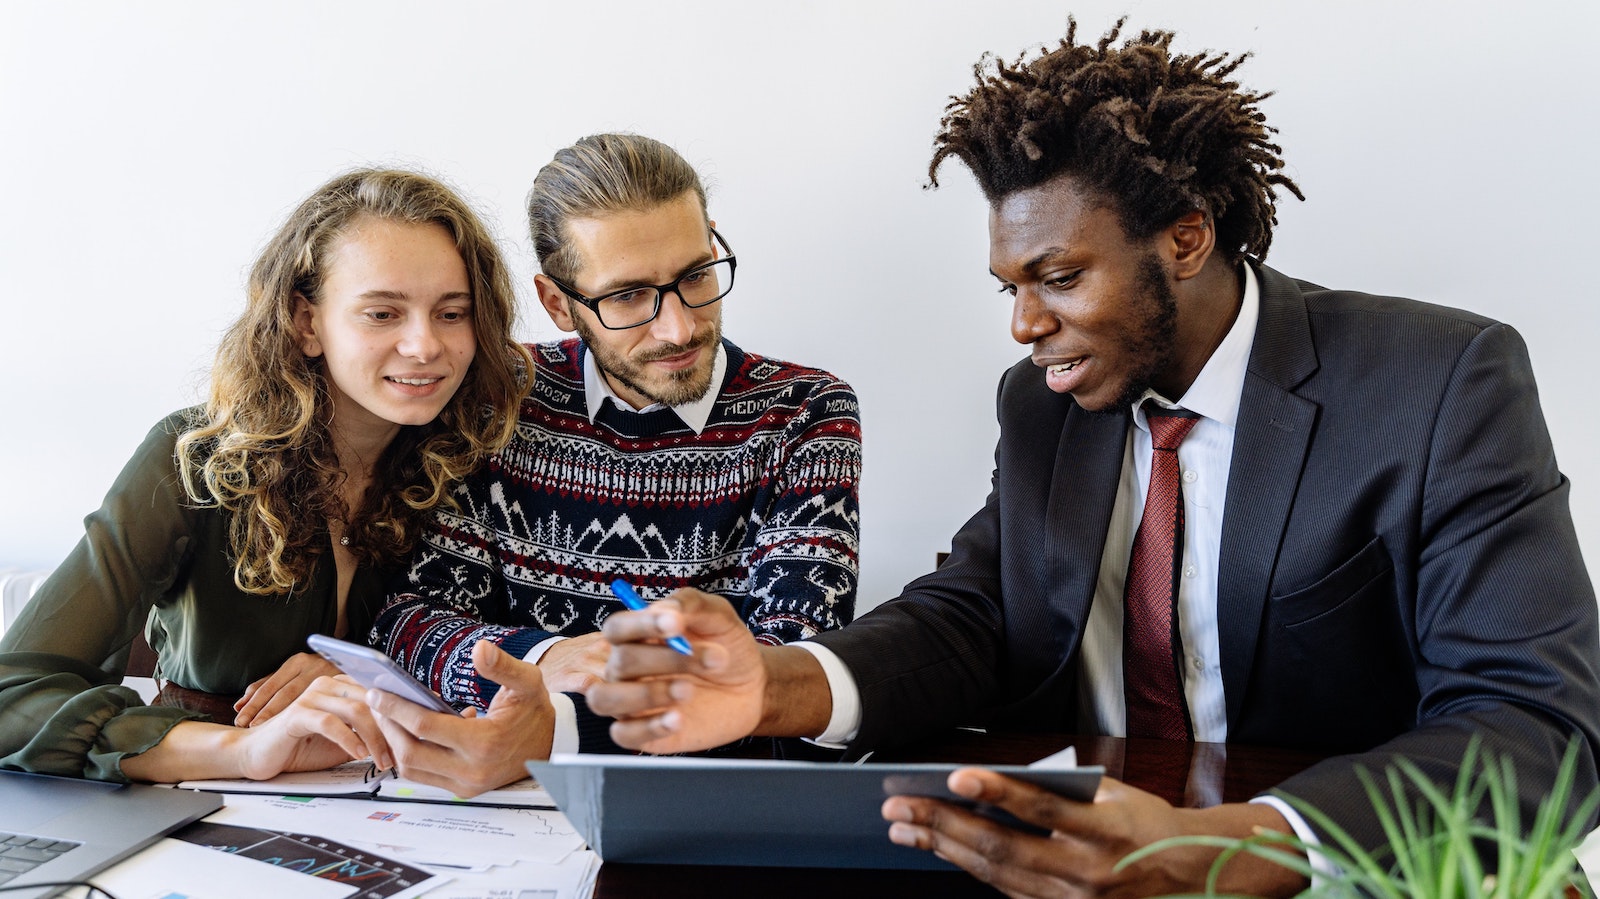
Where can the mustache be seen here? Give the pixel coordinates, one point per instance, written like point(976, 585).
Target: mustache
point(673, 349)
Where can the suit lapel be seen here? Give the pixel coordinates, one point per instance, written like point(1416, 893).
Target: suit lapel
point(1269, 448)
point(1083, 490)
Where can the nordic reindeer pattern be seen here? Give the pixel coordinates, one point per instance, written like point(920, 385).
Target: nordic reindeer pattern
point(761, 508)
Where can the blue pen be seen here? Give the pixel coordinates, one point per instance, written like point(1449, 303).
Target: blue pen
point(632, 600)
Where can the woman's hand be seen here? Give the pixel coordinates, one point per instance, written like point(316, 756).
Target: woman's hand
point(328, 724)
point(273, 693)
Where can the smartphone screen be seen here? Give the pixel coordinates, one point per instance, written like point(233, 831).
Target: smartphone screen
point(371, 668)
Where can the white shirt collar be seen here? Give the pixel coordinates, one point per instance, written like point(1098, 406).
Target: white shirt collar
point(1216, 391)
point(597, 390)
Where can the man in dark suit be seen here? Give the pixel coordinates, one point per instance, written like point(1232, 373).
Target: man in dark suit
point(1227, 506)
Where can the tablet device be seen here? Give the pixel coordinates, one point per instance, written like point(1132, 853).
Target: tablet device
point(667, 810)
point(371, 668)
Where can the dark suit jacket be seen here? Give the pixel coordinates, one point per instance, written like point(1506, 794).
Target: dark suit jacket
point(1399, 569)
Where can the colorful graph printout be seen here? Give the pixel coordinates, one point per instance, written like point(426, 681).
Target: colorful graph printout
point(378, 877)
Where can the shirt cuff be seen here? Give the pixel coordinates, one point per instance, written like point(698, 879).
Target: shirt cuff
point(540, 648)
point(845, 722)
point(565, 738)
point(1321, 868)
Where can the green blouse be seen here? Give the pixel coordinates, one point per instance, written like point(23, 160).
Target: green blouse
point(150, 559)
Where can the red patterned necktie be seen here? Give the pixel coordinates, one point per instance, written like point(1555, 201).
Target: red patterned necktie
point(1151, 685)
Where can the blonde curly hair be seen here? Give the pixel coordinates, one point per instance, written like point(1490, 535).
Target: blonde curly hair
point(262, 448)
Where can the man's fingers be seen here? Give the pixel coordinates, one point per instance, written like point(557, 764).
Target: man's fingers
point(656, 623)
point(510, 673)
point(1032, 804)
point(441, 750)
point(633, 661)
point(651, 734)
point(687, 613)
point(1014, 862)
point(416, 759)
point(631, 699)
point(572, 682)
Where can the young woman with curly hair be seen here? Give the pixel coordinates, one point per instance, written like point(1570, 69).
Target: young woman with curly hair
point(372, 367)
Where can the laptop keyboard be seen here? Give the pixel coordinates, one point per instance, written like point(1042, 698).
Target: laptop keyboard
point(20, 853)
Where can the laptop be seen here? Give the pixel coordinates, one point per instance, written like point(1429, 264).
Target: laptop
point(61, 829)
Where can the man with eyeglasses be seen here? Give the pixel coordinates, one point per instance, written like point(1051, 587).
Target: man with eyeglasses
point(650, 450)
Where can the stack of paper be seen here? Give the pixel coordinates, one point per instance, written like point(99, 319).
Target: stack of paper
point(493, 846)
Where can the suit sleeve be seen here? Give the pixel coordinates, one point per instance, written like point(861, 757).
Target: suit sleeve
point(63, 709)
point(1505, 627)
point(928, 659)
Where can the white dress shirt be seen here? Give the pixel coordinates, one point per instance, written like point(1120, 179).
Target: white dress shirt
point(1204, 459)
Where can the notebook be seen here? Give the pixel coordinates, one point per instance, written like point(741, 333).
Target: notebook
point(359, 780)
point(59, 829)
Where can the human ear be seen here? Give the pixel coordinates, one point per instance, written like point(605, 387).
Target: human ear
point(1192, 238)
point(555, 302)
point(305, 326)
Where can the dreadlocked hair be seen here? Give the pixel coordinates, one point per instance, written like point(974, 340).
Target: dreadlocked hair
point(262, 448)
point(1156, 135)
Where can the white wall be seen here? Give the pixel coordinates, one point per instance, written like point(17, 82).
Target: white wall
point(1446, 148)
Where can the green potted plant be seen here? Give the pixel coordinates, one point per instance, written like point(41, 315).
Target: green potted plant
point(1434, 838)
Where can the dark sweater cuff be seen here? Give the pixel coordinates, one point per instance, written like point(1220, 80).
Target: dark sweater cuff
point(516, 644)
point(521, 641)
point(594, 731)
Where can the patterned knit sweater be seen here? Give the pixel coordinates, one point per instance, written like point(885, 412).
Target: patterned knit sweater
point(761, 508)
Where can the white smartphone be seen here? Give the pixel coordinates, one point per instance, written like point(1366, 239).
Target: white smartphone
point(371, 668)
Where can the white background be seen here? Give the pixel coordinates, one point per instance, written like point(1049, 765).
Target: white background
point(1447, 151)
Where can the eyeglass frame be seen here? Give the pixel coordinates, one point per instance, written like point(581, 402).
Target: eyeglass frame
point(593, 303)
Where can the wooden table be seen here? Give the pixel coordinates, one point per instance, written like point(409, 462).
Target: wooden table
point(1194, 775)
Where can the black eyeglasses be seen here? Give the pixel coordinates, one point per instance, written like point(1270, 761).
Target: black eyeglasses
point(634, 306)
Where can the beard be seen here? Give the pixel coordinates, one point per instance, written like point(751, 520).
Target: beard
point(1151, 337)
point(679, 387)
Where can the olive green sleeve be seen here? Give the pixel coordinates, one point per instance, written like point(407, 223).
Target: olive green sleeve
point(62, 707)
point(58, 716)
